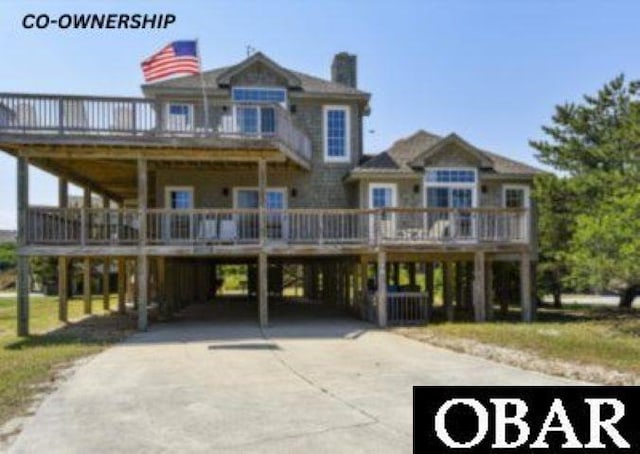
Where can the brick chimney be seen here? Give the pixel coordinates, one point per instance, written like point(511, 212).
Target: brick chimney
point(344, 69)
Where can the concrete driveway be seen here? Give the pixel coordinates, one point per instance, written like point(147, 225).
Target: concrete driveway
point(329, 385)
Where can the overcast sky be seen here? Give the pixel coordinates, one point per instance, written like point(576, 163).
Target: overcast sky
point(489, 70)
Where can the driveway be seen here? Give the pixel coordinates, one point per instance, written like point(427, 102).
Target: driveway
point(333, 384)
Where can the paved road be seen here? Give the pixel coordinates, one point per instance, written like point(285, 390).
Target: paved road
point(330, 385)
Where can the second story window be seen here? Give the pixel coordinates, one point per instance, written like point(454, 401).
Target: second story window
point(179, 116)
point(336, 133)
point(250, 116)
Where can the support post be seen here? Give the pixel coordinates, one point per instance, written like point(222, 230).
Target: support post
point(23, 261)
point(490, 295)
point(84, 216)
point(63, 193)
point(459, 284)
point(63, 263)
point(106, 264)
point(263, 289)
point(525, 287)
point(63, 287)
point(447, 289)
point(429, 287)
point(381, 299)
point(86, 284)
point(142, 274)
point(142, 277)
point(479, 288)
point(364, 287)
point(411, 268)
point(122, 284)
point(262, 200)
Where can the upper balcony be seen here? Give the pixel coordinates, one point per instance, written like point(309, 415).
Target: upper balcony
point(62, 119)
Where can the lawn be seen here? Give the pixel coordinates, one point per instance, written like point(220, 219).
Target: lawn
point(589, 335)
point(28, 365)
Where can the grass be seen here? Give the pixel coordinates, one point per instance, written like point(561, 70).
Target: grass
point(28, 365)
point(595, 335)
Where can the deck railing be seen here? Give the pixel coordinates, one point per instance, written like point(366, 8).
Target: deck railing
point(93, 226)
point(92, 116)
point(398, 225)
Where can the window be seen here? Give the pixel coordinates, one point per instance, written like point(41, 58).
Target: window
point(516, 196)
point(249, 198)
point(179, 117)
point(179, 198)
point(336, 133)
point(451, 176)
point(451, 188)
point(256, 119)
point(259, 95)
point(383, 195)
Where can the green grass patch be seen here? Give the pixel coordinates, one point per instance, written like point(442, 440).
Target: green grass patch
point(29, 364)
point(604, 336)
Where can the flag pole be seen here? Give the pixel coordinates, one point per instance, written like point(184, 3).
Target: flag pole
point(204, 91)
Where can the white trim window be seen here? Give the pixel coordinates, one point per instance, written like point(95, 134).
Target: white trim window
point(178, 197)
point(451, 188)
point(515, 196)
point(179, 116)
point(337, 133)
point(251, 118)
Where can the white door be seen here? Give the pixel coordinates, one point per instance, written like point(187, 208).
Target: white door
point(383, 196)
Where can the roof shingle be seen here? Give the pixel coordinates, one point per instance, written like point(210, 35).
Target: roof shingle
point(308, 83)
point(398, 157)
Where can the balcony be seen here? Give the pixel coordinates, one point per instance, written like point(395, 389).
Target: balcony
point(291, 228)
point(96, 120)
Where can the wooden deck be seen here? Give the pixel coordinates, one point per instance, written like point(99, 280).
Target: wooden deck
point(78, 231)
point(141, 122)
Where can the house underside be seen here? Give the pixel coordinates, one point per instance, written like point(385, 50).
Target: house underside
point(347, 258)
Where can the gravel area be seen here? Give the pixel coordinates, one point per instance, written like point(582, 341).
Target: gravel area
point(524, 360)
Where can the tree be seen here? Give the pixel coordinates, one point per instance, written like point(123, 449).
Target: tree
point(556, 221)
point(605, 249)
point(7, 256)
point(602, 135)
point(597, 145)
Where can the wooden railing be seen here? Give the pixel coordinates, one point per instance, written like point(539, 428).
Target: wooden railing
point(398, 225)
point(93, 226)
point(93, 116)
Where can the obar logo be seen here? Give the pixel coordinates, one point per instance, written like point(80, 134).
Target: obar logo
point(531, 419)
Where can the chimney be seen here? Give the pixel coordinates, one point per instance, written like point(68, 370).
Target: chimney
point(344, 69)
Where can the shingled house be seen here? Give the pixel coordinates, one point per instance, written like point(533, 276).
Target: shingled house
point(270, 173)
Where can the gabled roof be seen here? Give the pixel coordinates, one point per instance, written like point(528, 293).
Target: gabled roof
point(220, 77)
point(441, 145)
point(224, 78)
point(407, 153)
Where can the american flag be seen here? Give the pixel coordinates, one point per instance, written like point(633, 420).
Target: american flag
point(178, 57)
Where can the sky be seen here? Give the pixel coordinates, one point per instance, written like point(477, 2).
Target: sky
point(492, 70)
